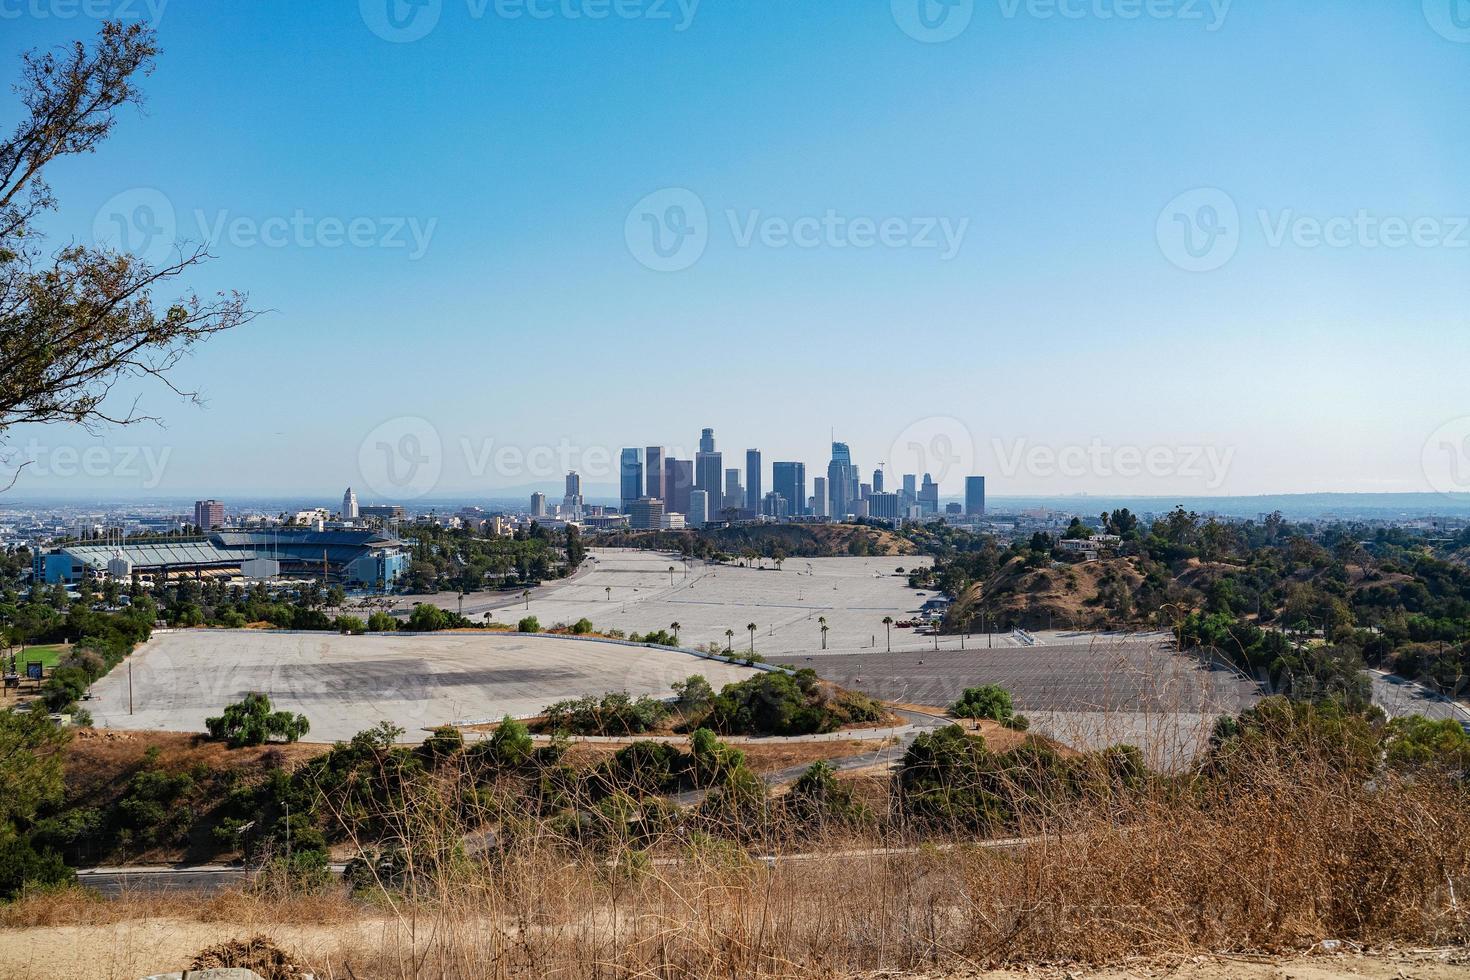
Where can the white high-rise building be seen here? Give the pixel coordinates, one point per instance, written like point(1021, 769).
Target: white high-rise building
point(349, 505)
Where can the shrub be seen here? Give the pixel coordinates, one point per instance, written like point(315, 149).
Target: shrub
point(427, 618)
point(351, 625)
point(581, 627)
point(381, 622)
point(252, 722)
point(612, 714)
point(528, 624)
point(989, 702)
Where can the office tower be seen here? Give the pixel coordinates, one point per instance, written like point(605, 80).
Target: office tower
point(842, 482)
point(571, 504)
point(630, 471)
point(646, 514)
point(538, 504)
point(349, 505)
point(653, 472)
point(884, 507)
point(734, 496)
point(775, 505)
point(929, 495)
point(209, 514)
point(910, 489)
point(821, 503)
point(698, 515)
point(865, 490)
point(878, 480)
point(709, 471)
point(678, 481)
point(754, 489)
point(789, 480)
point(975, 496)
point(707, 440)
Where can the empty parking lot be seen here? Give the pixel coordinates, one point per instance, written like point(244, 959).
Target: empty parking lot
point(345, 684)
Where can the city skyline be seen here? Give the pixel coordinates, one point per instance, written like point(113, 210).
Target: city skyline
point(1065, 314)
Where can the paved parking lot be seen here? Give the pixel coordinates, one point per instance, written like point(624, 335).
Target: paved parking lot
point(345, 684)
point(634, 591)
point(1087, 692)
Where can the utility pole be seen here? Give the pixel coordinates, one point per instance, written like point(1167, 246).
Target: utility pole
point(130, 685)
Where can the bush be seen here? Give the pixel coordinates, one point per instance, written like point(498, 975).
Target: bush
point(381, 622)
point(427, 618)
point(581, 627)
point(22, 868)
point(351, 626)
point(779, 703)
point(612, 714)
point(252, 722)
point(989, 702)
point(528, 624)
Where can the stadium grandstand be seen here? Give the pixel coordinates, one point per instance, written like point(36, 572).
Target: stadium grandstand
point(348, 557)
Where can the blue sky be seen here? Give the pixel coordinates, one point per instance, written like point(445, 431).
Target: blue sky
point(997, 260)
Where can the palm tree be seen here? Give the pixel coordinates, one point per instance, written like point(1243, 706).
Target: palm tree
point(608, 590)
point(526, 594)
point(675, 627)
point(729, 640)
point(751, 627)
point(822, 621)
point(888, 625)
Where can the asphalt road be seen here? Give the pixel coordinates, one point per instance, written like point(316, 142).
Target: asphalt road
point(1399, 696)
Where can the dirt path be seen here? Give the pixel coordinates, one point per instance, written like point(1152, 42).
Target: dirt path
point(134, 949)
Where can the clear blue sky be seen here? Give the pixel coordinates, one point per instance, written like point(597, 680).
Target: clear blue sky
point(1067, 315)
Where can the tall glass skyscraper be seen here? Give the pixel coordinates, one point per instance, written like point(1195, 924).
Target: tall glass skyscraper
point(842, 482)
point(754, 488)
point(631, 472)
point(789, 480)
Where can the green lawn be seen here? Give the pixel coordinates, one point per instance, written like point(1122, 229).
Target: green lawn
point(49, 654)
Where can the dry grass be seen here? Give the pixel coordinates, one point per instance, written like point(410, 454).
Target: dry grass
point(1283, 861)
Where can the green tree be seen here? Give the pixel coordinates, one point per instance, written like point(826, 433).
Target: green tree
point(253, 722)
point(989, 702)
